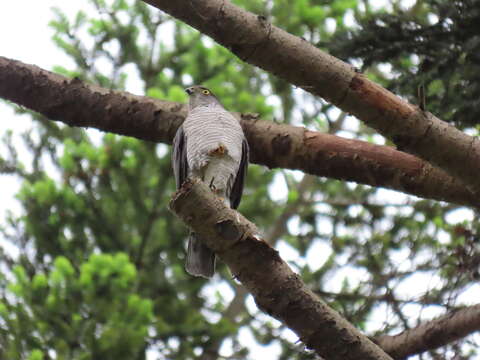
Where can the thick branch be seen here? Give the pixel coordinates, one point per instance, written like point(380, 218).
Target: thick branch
point(79, 104)
point(277, 290)
point(275, 232)
point(432, 334)
point(254, 40)
point(269, 279)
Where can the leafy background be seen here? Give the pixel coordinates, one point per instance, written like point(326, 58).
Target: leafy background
point(92, 263)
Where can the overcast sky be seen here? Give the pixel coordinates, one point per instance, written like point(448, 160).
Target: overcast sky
point(26, 36)
point(25, 31)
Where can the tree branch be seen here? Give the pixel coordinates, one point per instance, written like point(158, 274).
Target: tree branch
point(256, 41)
point(76, 103)
point(432, 334)
point(278, 228)
point(269, 279)
point(277, 290)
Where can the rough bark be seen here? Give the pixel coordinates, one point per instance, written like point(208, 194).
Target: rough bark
point(272, 236)
point(432, 334)
point(76, 103)
point(277, 290)
point(254, 40)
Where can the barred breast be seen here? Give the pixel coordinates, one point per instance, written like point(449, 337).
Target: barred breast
point(210, 131)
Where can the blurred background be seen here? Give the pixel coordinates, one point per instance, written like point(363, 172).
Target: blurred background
point(92, 260)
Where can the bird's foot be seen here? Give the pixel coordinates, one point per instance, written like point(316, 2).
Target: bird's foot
point(212, 185)
point(218, 151)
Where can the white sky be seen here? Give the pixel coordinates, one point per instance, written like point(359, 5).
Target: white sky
point(26, 36)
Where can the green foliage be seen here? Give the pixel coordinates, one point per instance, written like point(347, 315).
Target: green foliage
point(435, 43)
point(89, 313)
point(36, 355)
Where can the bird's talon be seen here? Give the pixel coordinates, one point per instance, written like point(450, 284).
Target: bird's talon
point(212, 185)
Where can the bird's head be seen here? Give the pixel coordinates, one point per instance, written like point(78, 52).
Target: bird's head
point(200, 96)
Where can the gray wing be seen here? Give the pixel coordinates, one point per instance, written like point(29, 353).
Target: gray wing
point(179, 157)
point(237, 188)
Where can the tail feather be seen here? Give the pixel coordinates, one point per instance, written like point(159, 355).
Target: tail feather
point(200, 259)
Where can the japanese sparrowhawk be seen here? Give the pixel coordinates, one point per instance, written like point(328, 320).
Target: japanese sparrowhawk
point(210, 144)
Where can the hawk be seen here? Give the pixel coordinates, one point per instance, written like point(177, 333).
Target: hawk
point(210, 144)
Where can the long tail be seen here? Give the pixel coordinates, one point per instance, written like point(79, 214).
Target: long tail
point(200, 259)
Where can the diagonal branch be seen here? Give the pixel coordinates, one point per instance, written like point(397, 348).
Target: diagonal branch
point(254, 40)
point(432, 334)
point(277, 290)
point(280, 293)
point(76, 103)
point(275, 232)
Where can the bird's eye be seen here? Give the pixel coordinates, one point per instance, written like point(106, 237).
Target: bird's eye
point(206, 92)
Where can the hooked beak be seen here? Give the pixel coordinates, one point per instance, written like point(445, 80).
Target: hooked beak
point(189, 91)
